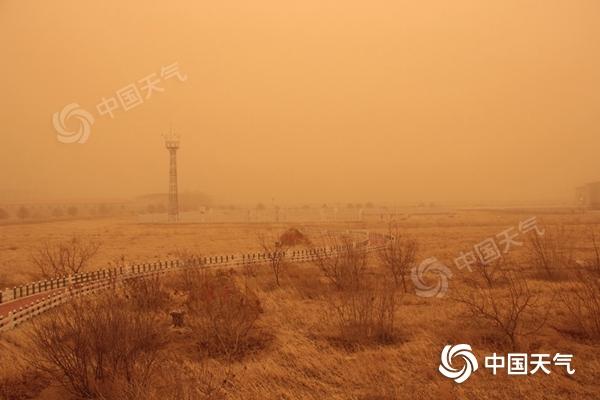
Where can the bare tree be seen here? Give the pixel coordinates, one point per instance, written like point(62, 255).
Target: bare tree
point(65, 258)
point(515, 310)
point(550, 252)
point(489, 274)
point(275, 252)
point(582, 300)
point(398, 256)
point(345, 266)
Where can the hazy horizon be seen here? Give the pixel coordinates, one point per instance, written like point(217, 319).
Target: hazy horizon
point(315, 102)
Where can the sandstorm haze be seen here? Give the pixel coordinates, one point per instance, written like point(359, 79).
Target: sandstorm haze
point(313, 101)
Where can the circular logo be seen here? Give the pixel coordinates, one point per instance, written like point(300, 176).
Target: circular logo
point(431, 266)
point(463, 351)
point(84, 119)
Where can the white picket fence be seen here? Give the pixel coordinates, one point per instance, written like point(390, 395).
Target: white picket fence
point(60, 290)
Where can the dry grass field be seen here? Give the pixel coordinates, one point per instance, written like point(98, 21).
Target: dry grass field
point(246, 337)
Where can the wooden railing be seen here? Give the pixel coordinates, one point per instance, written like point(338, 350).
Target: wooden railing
point(59, 290)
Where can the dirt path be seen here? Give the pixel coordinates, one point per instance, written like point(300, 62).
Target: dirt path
point(23, 302)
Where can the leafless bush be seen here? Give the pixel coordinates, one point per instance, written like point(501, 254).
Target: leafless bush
point(249, 272)
point(581, 298)
point(146, 293)
point(366, 314)
point(223, 316)
point(275, 252)
point(515, 310)
point(398, 256)
point(490, 274)
point(592, 262)
point(363, 306)
point(345, 267)
point(91, 345)
point(64, 258)
point(186, 278)
point(550, 253)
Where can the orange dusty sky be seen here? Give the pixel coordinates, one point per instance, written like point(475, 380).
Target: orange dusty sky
point(305, 101)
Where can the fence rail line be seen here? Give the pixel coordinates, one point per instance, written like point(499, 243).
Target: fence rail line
point(20, 304)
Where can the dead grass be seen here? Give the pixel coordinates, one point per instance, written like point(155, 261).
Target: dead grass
point(301, 361)
point(224, 316)
point(93, 345)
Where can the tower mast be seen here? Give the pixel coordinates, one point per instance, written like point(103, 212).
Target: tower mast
point(172, 145)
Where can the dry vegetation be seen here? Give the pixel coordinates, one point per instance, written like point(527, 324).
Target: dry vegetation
point(345, 327)
point(72, 256)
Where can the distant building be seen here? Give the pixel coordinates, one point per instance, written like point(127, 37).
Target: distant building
point(588, 195)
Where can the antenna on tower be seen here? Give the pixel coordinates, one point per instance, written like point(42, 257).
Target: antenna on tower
point(172, 145)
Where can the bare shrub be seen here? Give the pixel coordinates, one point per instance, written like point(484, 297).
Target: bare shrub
point(398, 256)
point(186, 279)
point(249, 269)
point(515, 310)
point(366, 314)
point(345, 266)
point(146, 293)
point(223, 316)
point(64, 258)
point(362, 306)
point(551, 252)
point(89, 346)
point(249, 272)
point(593, 262)
point(275, 252)
point(582, 300)
point(489, 274)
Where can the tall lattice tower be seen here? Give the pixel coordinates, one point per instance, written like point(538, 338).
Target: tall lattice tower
point(172, 144)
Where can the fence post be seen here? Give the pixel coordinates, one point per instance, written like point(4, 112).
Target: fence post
point(11, 321)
